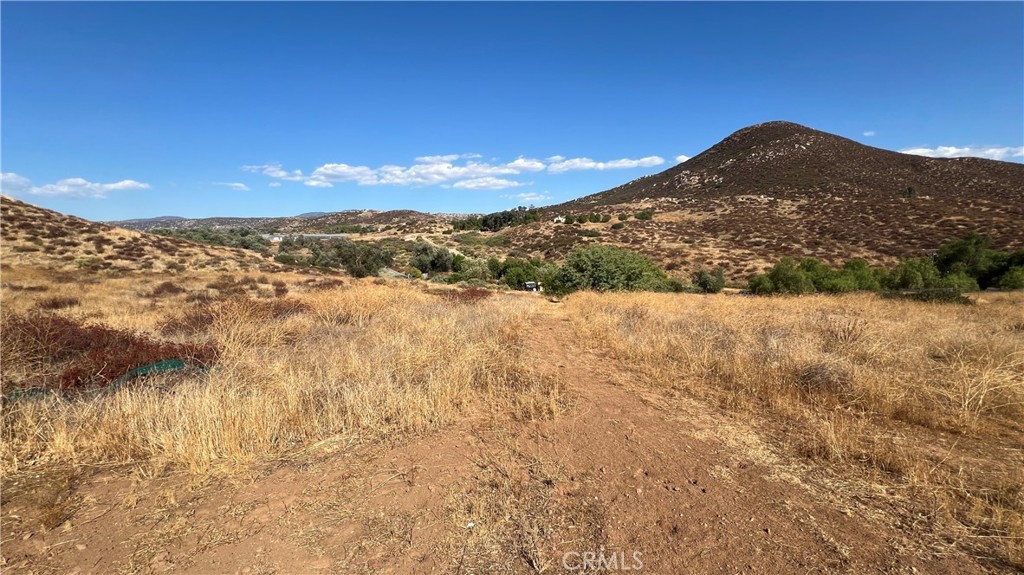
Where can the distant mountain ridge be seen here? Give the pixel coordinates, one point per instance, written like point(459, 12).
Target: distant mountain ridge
point(781, 189)
point(784, 158)
point(307, 222)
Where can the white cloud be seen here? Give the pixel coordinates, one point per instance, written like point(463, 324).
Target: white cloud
point(235, 186)
point(318, 183)
point(588, 164)
point(528, 197)
point(437, 159)
point(869, 133)
point(1004, 153)
point(327, 173)
point(12, 183)
point(274, 184)
point(275, 171)
point(526, 164)
point(681, 158)
point(463, 171)
point(487, 183)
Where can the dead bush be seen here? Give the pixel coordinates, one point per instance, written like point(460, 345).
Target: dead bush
point(167, 288)
point(57, 302)
point(61, 353)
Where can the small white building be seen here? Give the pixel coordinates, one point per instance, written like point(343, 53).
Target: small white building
point(559, 220)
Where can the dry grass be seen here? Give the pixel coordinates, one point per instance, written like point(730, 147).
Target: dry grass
point(522, 514)
point(927, 398)
point(364, 361)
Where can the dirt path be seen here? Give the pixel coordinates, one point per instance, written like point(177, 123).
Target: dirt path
point(625, 474)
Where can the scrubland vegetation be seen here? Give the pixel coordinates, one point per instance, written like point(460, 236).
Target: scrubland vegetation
point(924, 399)
point(355, 360)
point(244, 238)
point(193, 370)
point(963, 265)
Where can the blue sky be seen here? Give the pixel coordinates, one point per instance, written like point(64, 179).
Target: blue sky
point(120, 110)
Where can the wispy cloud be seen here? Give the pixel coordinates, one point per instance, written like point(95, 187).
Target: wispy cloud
point(869, 133)
point(588, 164)
point(681, 158)
point(526, 164)
point(14, 184)
point(460, 171)
point(1005, 153)
point(487, 183)
point(274, 184)
point(239, 186)
point(275, 171)
point(528, 197)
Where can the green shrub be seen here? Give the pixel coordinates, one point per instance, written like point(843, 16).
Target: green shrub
point(709, 281)
point(761, 285)
point(618, 226)
point(608, 268)
point(1013, 278)
point(645, 215)
point(786, 277)
point(862, 275)
point(594, 218)
point(429, 258)
point(581, 219)
point(959, 281)
point(913, 274)
point(605, 218)
point(623, 217)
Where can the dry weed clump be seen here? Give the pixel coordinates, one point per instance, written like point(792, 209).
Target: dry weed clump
point(856, 380)
point(58, 353)
point(57, 302)
point(363, 362)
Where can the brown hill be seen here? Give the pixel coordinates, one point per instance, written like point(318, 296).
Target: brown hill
point(313, 222)
point(778, 188)
point(33, 236)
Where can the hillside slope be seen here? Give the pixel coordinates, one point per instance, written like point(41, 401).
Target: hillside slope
point(778, 189)
point(33, 236)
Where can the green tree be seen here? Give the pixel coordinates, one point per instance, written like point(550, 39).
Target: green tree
point(785, 277)
point(913, 274)
point(1013, 278)
point(709, 281)
point(608, 268)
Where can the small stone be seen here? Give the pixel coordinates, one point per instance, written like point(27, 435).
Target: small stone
point(80, 546)
point(26, 536)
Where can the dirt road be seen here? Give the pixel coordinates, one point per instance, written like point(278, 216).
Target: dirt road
point(625, 477)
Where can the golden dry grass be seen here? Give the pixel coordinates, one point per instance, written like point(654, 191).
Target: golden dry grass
point(927, 398)
point(354, 362)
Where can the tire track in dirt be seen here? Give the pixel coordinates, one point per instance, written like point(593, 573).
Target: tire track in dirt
point(698, 492)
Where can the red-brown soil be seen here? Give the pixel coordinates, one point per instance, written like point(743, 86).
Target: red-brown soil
point(622, 470)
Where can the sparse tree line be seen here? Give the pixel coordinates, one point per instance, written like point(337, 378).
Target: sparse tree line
point(522, 215)
point(498, 220)
point(245, 238)
point(604, 218)
point(963, 265)
point(359, 259)
point(967, 264)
